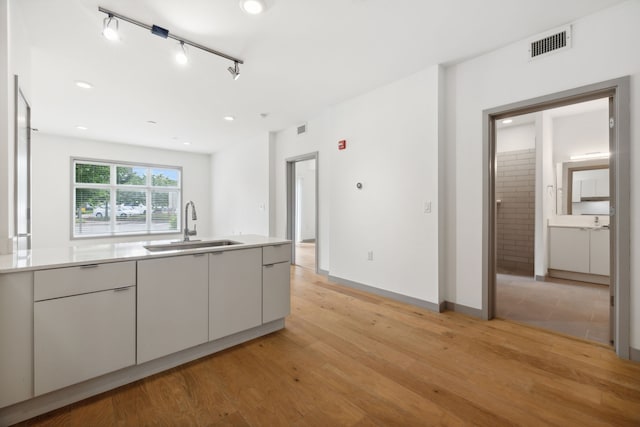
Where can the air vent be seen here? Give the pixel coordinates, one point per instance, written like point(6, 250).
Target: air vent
point(302, 129)
point(551, 42)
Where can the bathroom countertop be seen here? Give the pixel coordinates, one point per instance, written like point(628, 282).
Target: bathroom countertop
point(38, 259)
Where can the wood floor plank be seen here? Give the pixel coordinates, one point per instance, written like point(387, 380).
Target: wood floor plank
point(350, 358)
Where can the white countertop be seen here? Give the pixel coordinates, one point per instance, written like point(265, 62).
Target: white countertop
point(38, 259)
point(591, 227)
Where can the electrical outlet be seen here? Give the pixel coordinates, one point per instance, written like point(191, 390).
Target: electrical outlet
point(427, 207)
point(370, 255)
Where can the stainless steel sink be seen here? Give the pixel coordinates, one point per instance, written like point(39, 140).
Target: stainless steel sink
point(174, 246)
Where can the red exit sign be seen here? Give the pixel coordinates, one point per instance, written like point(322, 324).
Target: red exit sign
point(342, 144)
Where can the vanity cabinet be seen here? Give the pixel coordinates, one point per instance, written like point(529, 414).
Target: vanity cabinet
point(580, 250)
point(83, 323)
point(235, 291)
point(16, 337)
point(569, 249)
point(599, 262)
point(276, 279)
point(173, 305)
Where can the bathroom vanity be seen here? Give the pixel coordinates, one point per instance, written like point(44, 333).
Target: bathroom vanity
point(75, 322)
point(579, 253)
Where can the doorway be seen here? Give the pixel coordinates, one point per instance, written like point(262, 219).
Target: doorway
point(302, 210)
point(552, 219)
point(617, 93)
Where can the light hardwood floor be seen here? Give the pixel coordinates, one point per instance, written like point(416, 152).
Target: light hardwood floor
point(348, 358)
point(306, 255)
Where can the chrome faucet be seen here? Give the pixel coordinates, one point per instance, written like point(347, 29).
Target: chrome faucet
point(194, 217)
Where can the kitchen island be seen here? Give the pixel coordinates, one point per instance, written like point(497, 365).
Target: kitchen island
point(75, 322)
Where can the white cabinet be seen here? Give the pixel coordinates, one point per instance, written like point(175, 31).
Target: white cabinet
point(581, 250)
point(569, 249)
point(83, 328)
point(599, 252)
point(276, 280)
point(173, 305)
point(235, 291)
point(16, 337)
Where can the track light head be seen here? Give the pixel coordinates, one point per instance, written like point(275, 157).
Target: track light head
point(181, 54)
point(235, 71)
point(110, 28)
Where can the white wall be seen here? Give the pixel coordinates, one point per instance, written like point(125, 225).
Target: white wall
point(604, 47)
point(514, 138)
point(306, 179)
point(51, 184)
point(240, 189)
point(392, 149)
point(14, 60)
point(580, 134)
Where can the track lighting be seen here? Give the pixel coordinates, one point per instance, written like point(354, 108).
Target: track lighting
point(110, 31)
point(181, 54)
point(235, 71)
point(110, 28)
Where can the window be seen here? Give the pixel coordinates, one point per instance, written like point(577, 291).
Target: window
point(114, 199)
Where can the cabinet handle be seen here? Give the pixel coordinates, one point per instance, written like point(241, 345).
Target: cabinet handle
point(198, 255)
point(269, 265)
point(217, 253)
point(90, 266)
point(124, 288)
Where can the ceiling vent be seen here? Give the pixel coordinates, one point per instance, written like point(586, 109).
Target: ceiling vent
point(302, 129)
point(554, 41)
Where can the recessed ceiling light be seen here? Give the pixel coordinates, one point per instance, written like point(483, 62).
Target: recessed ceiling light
point(186, 143)
point(81, 127)
point(507, 121)
point(84, 85)
point(252, 7)
point(229, 118)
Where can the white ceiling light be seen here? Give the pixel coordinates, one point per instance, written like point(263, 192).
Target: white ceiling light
point(229, 118)
point(181, 54)
point(252, 7)
point(84, 85)
point(81, 127)
point(507, 121)
point(235, 71)
point(110, 28)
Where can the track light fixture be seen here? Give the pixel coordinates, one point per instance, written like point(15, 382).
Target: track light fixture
point(235, 71)
point(110, 31)
point(110, 28)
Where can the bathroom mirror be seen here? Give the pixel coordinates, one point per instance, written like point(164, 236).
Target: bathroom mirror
point(587, 188)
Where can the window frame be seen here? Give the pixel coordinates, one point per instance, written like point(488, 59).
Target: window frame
point(114, 187)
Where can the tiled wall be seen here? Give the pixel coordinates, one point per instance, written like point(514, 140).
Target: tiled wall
point(515, 188)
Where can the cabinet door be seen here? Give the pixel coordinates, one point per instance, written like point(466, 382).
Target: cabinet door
point(173, 305)
point(276, 295)
point(599, 252)
point(235, 291)
point(81, 337)
point(569, 249)
point(16, 337)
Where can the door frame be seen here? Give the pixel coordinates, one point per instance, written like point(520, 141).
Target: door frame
point(291, 202)
point(21, 103)
point(618, 91)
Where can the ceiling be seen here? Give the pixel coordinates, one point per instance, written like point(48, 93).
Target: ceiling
point(301, 56)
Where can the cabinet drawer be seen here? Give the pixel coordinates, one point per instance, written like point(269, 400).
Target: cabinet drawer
point(275, 254)
point(63, 282)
